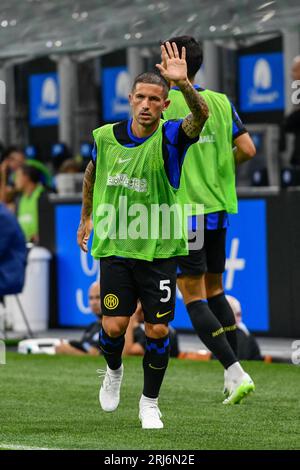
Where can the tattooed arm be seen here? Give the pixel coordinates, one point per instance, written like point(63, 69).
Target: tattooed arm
point(194, 122)
point(86, 224)
point(174, 69)
point(88, 190)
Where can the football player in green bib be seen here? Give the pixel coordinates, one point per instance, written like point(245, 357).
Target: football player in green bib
point(208, 178)
point(136, 167)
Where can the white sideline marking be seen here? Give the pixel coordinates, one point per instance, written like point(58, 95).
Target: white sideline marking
point(20, 447)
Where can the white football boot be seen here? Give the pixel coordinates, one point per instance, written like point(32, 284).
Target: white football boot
point(150, 414)
point(239, 389)
point(109, 395)
point(226, 384)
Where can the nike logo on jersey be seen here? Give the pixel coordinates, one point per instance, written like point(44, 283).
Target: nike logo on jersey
point(159, 315)
point(156, 368)
point(125, 160)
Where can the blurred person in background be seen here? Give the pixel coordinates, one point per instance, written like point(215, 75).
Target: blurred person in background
point(60, 153)
point(13, 254)
point(208, 179)
point(66, 181)
point(291, 122)
point(28, 184)
point(45, 175)
point(248, 348)
point(69, 166)
point(13, 158)
point(89, 342)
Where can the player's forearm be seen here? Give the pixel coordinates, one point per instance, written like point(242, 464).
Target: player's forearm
point(87, 191)
point(245, 149)
point(240, 157)
point(194, 122)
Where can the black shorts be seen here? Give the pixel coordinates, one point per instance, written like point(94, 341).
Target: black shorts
point(125, 280)
point(211, 258)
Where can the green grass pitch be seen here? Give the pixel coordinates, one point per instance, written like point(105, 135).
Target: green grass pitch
point(52, 402)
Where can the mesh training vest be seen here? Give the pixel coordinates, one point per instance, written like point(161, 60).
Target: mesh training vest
point(28, 212)
point(133, 184)
point(208, 174)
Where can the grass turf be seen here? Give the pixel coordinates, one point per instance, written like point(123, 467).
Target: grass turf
point(52, 402)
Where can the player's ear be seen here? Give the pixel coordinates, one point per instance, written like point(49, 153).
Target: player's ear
point(167, 103)
point(130, 98)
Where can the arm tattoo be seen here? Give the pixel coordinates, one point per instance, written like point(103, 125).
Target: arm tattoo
point(88, 190)
point(194, 122)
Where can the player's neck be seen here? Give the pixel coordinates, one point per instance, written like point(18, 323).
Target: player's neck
point(143, 131)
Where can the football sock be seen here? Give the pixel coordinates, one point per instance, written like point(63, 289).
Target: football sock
point(235, 372)
point(155, 363)
point(111, 349)
point(220, 307)
point(211, 332)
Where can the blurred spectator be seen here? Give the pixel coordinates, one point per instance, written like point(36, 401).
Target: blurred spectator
point(13, 254)
point(44, 172)
point(27, 207)
point(69, 166)
point(13, 158)
point(292, 121)
point(248, 348)
point(59, 153)
point(70, 178)
point(89, 343)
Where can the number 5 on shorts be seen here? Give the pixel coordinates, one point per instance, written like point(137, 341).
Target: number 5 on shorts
point(163, 286)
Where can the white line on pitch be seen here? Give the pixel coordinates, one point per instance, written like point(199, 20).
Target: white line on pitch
point(21, 447)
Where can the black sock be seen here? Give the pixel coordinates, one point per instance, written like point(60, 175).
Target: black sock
point(155, 363)
point(211, 332)
point(111, 349)
point(220, 307)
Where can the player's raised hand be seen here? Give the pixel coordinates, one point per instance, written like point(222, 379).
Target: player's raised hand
point(83, 233)
point(173, 67)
